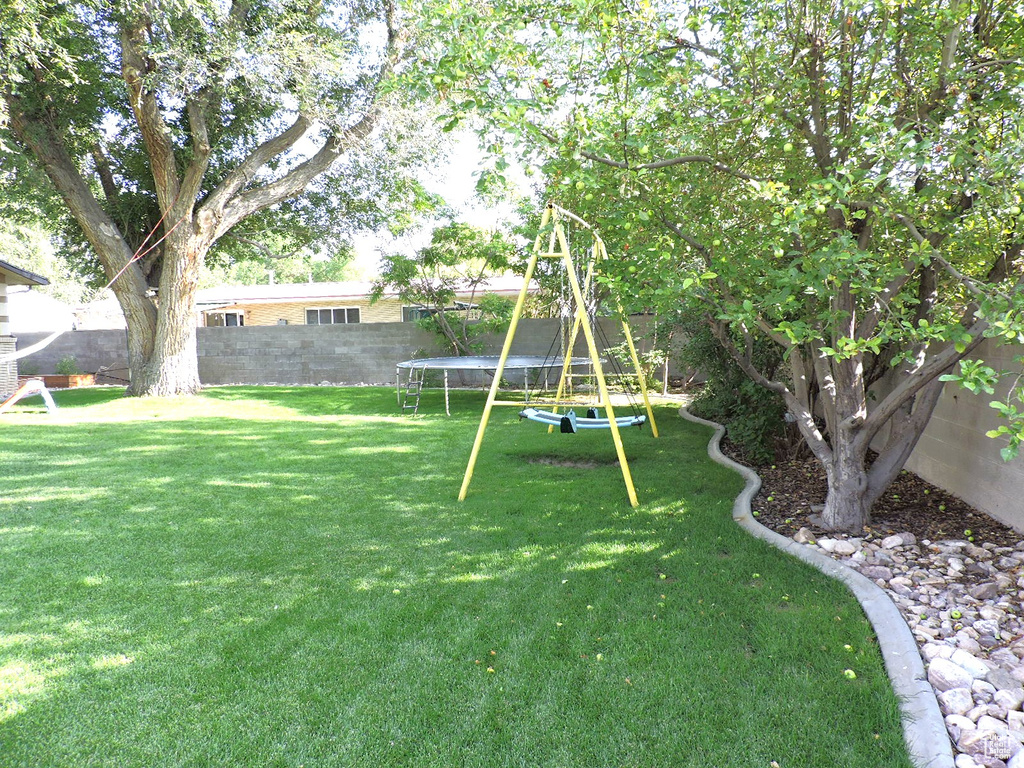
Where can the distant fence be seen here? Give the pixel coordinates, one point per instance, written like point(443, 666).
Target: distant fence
point(954, 452)
point(363, 353)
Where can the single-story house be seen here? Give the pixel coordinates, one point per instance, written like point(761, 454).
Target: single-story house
point(11, 275)
point(298, 304)
point(325, 303)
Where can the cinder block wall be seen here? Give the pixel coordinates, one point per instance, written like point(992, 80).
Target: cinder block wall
point(955, 454)
point(92, 351)
point(364, 353)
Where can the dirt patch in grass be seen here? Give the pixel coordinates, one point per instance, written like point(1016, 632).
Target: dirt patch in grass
point(558, 461)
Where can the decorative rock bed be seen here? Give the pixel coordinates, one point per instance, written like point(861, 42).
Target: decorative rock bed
point(963, 604)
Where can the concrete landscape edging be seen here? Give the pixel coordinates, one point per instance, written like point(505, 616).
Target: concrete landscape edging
point(924, 729)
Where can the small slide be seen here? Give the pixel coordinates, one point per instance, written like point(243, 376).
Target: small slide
point(29, 388)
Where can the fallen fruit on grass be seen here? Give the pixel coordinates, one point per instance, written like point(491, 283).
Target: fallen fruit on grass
point(849, 674)
point(955, 615)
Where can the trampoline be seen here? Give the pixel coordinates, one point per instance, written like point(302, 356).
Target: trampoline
point(485, 363)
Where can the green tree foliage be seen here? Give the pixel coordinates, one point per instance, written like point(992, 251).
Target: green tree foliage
point(841, 179)
point(447, 282)
point(755, 416)
point(170, 130)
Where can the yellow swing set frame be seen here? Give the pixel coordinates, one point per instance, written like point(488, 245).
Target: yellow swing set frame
point(558, 248)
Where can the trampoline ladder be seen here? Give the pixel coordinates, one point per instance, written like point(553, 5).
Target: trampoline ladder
point(413, 390)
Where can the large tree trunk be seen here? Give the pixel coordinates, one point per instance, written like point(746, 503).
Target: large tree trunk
point(848, 502)
point(141, 319)
point(173, 366)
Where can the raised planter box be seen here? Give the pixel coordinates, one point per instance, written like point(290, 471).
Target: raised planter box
point(61, 381)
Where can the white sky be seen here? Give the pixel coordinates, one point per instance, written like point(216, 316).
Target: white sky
point(456, 182)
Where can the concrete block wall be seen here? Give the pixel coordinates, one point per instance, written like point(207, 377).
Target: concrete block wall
point(365, 353)
point(955, 454)
point(92, 351)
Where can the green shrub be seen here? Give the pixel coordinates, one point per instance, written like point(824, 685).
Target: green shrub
point(753, 415)
point(67, 366)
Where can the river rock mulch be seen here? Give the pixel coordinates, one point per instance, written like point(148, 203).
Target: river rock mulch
point(956, 574)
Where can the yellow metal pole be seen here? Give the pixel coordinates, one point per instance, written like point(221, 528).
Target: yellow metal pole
point(599, 373)
point(639, 375)
point(577, 322)
point(492, 395)
point(600, 252)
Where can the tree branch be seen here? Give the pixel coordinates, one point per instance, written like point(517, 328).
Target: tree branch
point(193, 177)
point(261, 247)
point(293, 182)
point(99, 229)
point(902, 441)
point(102, 162)
point(869, 322)
point(228, 205)
point(668, 163)
point(931, 369)
point(146, 109)
point(800, 410)
point(968, 282)
point(246, 171)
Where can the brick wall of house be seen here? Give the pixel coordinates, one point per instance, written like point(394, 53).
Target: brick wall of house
point(294, 313)
point(8, 371)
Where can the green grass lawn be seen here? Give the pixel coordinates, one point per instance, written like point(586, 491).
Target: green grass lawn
point(283, 577)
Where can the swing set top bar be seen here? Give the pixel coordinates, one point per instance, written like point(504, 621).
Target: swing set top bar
point(573, 216)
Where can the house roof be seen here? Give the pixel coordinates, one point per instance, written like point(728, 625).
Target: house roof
point(287, 293)
point(18, 276)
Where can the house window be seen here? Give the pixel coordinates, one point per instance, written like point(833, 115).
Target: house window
point(225, 319)
point(332, 315)
point(412, 314)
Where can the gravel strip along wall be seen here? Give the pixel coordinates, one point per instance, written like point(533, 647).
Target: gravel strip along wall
point(923, 726)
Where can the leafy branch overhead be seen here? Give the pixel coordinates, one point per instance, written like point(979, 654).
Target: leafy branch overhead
point(840, 179)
